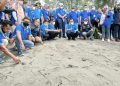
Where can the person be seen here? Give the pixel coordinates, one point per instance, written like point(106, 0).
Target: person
point(35, 30)
point(105, 21)
point(45, 12)
point(4, 38)
point(37, 12)
point(61, 16)
point(48, 30)
point(94, 20)
point(23, 36)
point(2, 4)
point(117, 22)
point(20, 11)
point(73, 15)
point(72, 30)
point(85, 14)
point(87, 30)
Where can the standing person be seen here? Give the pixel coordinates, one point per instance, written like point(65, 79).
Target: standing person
point(45, 12)
point(117, 23)
point(20, 11)
point(61, 16)
point(85, 14)
point(94, 20)
point(4, 38)
point(73, 15)
point(106, 23)
point(37, 12)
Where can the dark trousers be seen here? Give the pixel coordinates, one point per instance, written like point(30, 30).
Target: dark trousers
point(112, 32)
point(61, 24)
point(72, 35)
point(52, 35)
point(117, 31)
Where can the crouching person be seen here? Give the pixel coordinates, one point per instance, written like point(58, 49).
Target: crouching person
point(48, 30)
point(36, 31)
point(4, 40)
point(23, 36)
point(72, 30)
point(87, 30)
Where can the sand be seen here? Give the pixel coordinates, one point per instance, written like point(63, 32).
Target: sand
point(65, 63)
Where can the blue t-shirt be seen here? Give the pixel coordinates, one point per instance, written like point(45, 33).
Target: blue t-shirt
point(1, 38)
point(73, 15)
point(51, 26)
point(3, 35)
point(109, 19)
point(43, 28)
point(53, 14)
point(37, 13)
point(45, 14)
point(61, 12)
point(93, 14)
point(25, 32)
point(84, 15)
point(72, 28)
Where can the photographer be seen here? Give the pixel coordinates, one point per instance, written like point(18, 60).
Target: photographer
point(117, 22)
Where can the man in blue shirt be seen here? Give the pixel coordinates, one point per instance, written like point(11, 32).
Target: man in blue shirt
point(4, 38)
point(45, 13)
point(73, 15)
point(23, 36)
point(93, 16)
point(37, 12)
point(85, 14)
point(48, 30)
point(61, 18)
point(72, 30)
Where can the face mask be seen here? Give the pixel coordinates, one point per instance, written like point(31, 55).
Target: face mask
point(61, 7)
point(93, 8)
point(53, 23)
point(86, 9)
point(25, 24)
point(72, 23)
point(73, 10)
point(85, 22)
point(33, 8)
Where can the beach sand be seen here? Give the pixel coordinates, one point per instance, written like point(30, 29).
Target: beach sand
point(65, 63)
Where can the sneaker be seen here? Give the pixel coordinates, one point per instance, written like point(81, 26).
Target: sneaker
point(103, 39)
point(20, 54)
point(108, 40)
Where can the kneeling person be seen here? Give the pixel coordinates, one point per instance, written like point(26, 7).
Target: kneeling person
point(48, 30)
point(5, 38)
point(23, 36)
point(36, 31)
point(72, 30)
point(87, 30)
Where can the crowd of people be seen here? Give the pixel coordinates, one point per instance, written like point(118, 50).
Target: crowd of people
point(24, 25)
